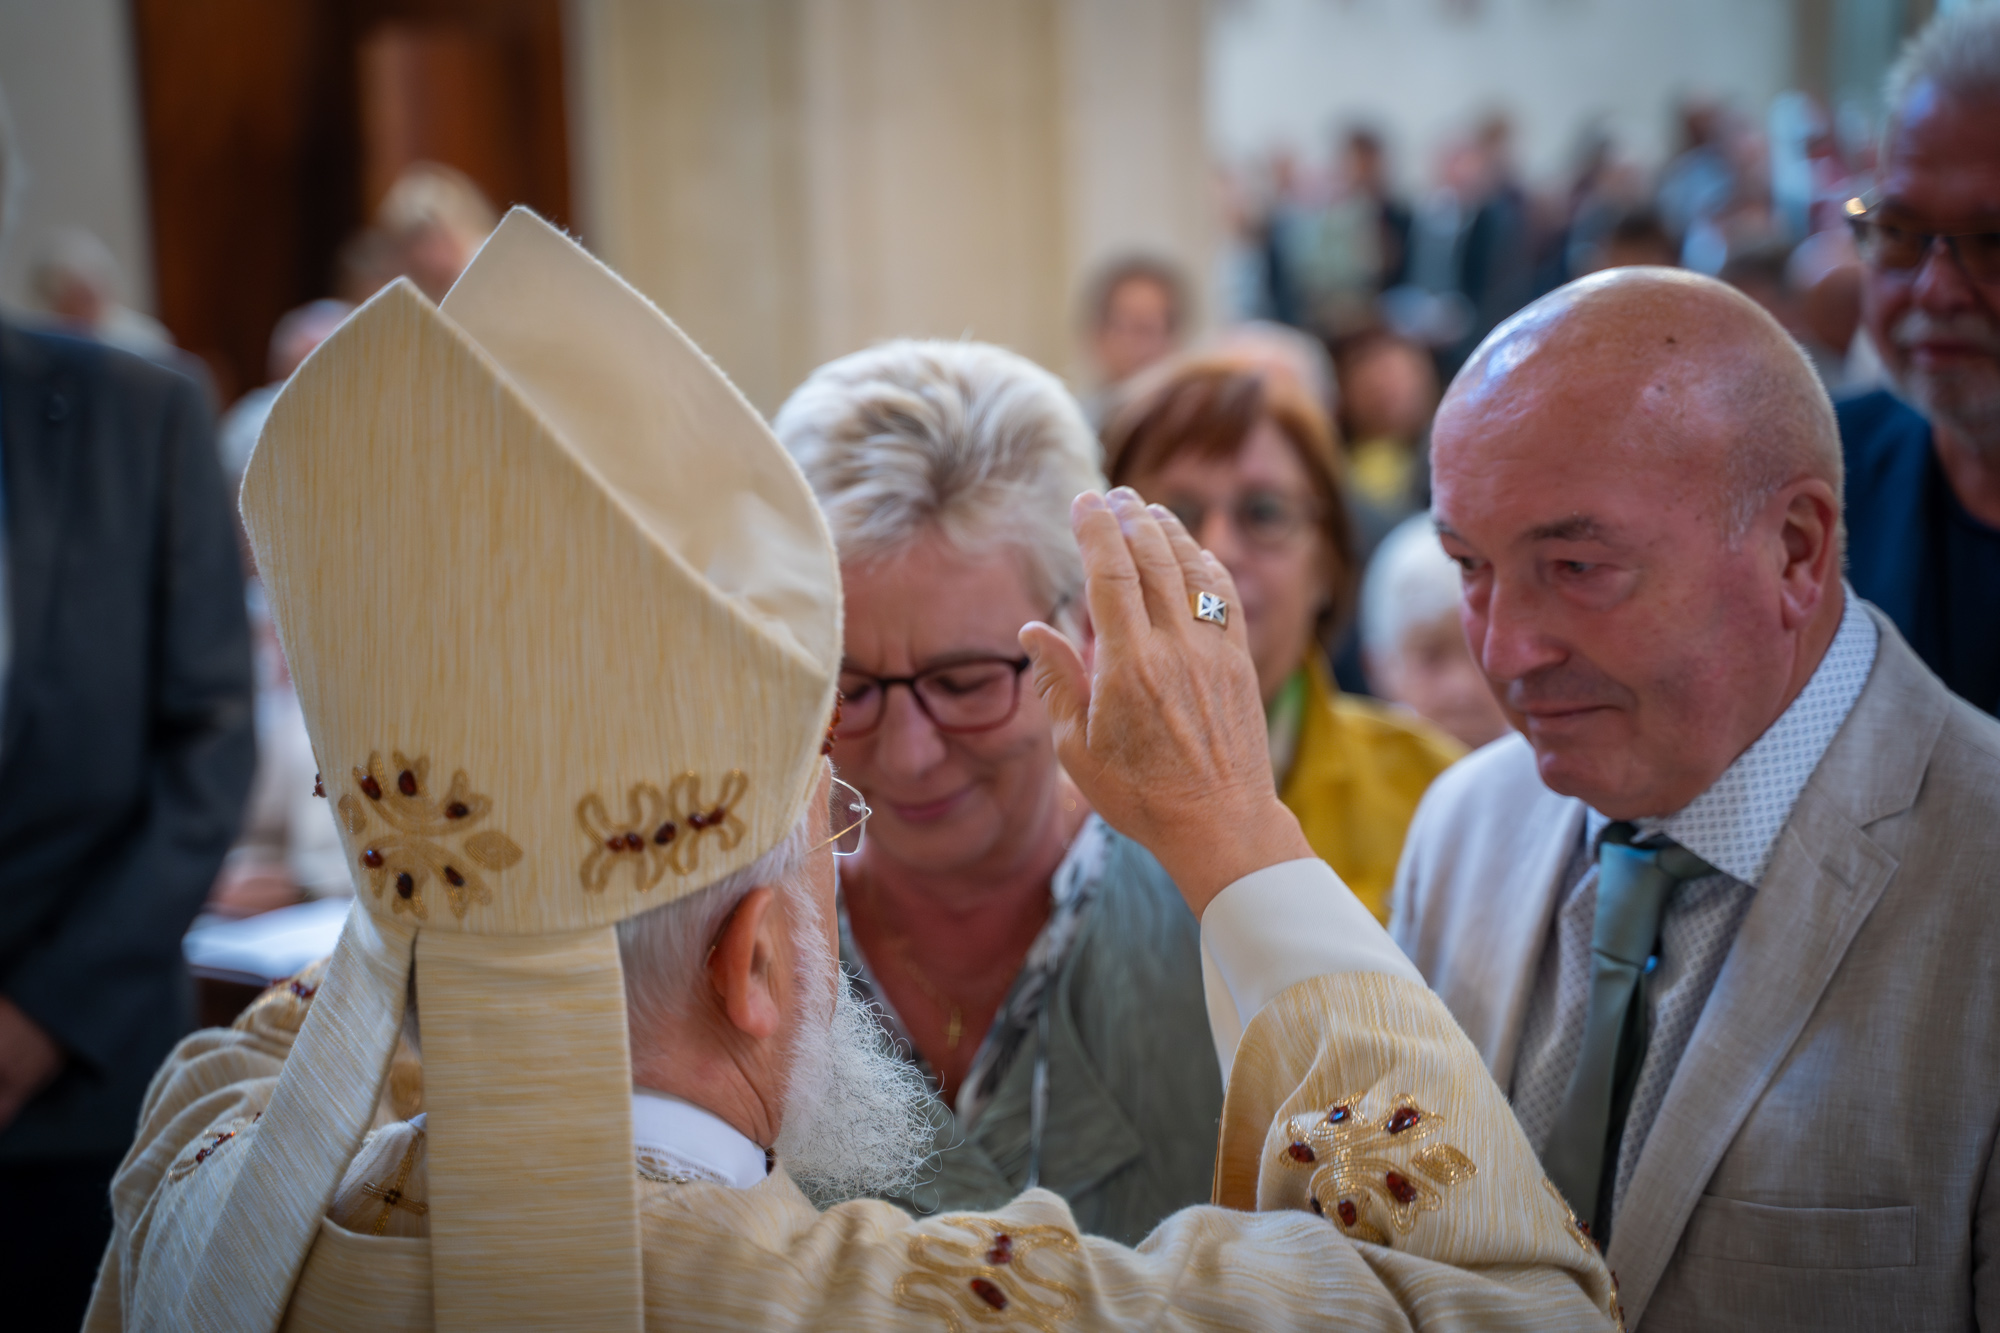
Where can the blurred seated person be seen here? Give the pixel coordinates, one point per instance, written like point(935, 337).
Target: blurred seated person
point(1637, 237)
point(292, 341)
point(1249, 466)
point(435, 219)
point(1293, 355)
point(1389, 390)
point(1040, 969)
point(1825, 271)
point(1412, 641)
point(288, 850)
point(76, 281)
point(1135, 317)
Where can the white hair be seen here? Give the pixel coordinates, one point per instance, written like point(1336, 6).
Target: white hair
point(1959, 52)
point(1410, 581)
point(664, 951)
point(858, 1118)
point(964, 438)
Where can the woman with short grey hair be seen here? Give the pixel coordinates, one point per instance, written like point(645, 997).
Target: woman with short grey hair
point(1040, 970)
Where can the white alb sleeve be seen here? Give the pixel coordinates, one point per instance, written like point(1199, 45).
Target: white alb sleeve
point(1279, 926)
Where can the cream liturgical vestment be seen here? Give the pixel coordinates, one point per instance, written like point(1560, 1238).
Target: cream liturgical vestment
point(565, 625)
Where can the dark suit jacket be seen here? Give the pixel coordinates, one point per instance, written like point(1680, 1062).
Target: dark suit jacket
point(126, 728)
point(1900, 510)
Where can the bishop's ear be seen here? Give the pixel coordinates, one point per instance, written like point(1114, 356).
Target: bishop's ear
point(746, 967)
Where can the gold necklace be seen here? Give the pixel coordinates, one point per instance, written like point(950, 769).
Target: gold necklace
point(954, 1027)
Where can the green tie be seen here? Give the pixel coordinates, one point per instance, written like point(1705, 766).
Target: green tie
point(1633, 885)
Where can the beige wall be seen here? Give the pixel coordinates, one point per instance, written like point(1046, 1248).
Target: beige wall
point(795, 179)
point(66, 67)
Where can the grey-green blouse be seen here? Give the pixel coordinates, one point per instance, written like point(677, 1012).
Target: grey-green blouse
point(1108, 1014)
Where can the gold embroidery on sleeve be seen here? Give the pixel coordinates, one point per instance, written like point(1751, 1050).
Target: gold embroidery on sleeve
point(415, 850)
point(986, 1279)
point(285, 1004)
point(1578, 1232)
point(215, 1139)
point(1360, 1177)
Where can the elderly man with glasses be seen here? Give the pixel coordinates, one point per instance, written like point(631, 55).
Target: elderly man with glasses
point(1923, 464)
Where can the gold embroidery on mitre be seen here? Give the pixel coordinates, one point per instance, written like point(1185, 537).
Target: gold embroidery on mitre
point(393, 1194)
point(284, 1005)
point(986, 1278)
point(417, 849)
point(211, 1141)
point(1364, 1171)
point(658, 831)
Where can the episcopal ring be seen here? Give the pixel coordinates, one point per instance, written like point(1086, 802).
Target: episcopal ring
point(1209, 607)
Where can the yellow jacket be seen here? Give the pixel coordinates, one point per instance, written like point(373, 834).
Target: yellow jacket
point(1355, 780)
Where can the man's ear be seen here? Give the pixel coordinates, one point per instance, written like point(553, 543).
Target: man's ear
point(1811, 538)
point(746, 966)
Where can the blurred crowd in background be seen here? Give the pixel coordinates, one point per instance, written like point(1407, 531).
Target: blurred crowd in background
point(1364, 297)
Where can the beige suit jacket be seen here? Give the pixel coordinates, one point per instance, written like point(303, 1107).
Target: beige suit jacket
point(1824, 1155)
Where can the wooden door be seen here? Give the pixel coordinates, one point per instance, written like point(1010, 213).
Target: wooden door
point(272, 128)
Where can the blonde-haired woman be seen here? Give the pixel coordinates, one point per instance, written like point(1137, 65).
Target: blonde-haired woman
point(1039, 968)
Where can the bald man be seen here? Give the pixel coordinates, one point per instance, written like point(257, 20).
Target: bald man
point(1721, 917)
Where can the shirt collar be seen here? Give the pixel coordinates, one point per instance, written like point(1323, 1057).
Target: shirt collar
point(679, 1138)
point(1735, 823)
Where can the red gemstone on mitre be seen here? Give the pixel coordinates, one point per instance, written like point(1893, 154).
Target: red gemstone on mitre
point(371, 788)
point(1338, 1114)
point(1349, 1215)
point(406, 782)
point(697, 820)
point(989, 1293)
point(615, 843)
point(633, 842)
point(303, 991)
point(1405, 1117)
point(1401, 1190)
point(319, 786)
point(664, 834)
point(1318, 1211)
point(1002, 1250)
point(405, 886)
point(456, 880)
point(372, 859)
point(1301, 1152)
point(457, 810)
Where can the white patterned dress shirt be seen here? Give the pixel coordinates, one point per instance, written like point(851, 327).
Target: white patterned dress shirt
point(1733, 826)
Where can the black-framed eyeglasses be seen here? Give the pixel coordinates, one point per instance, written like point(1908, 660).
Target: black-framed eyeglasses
point(1894, 248)
point(973, 694)
point(1266, 520)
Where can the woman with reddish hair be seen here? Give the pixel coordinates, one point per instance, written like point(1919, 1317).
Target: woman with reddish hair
point(1248, 463)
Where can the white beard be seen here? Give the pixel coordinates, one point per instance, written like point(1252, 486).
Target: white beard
point(858, 1120)
point(1965, 399)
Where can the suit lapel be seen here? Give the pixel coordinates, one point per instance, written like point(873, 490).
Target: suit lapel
point(35, 433)
point(1825, 877)
point(1513, 940)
